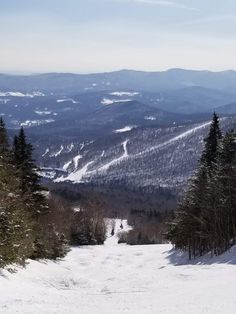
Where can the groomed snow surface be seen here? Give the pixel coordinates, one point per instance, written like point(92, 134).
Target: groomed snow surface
point(122, 279)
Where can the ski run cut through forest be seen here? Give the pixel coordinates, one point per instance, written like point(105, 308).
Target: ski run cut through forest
point(122, 279)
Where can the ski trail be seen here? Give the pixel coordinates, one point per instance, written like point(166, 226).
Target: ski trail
point(116, 160)
point(174, 139)
point(77, 175)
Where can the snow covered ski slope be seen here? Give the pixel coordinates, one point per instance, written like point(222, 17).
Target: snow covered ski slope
point(114, 279)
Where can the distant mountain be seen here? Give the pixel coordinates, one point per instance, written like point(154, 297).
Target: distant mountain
point(227, 109)
point(125, 79)
point(125, 127)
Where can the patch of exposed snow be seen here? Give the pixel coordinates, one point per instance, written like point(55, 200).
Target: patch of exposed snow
point(107, 101)
point(67, 100)
point(120, 94)
point(19, 94)
point(76, 160)
point(125, 129)
point(150, 118)
point(29, 123)
point(46, 152)
point(57, 153)
point(42, 113)
point(67, 165)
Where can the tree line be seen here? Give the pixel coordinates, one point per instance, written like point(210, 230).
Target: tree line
point(205, 219)
point(33, 223)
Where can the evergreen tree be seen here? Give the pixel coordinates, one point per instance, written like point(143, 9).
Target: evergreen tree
point(48, 242)
point(209, 154)
point(15, 224)
point(195, 227)
point(4, 146)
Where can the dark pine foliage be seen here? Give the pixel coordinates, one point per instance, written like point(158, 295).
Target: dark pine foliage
point(205, 220)
point(27, 224)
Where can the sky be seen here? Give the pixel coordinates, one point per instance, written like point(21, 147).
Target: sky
point(84, 36)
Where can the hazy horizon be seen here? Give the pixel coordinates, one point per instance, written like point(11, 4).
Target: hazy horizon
point(96, 36)
point(119, 70)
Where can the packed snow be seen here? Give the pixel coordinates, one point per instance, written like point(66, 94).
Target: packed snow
point(125, 129)
point(115, 279)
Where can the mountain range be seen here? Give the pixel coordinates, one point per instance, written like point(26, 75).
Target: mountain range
point(129, 127)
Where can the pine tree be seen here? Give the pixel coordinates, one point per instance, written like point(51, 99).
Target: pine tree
point(209, 154)
point(4, 145)
point(48, 241)
point(194, 227)
point(15, 225)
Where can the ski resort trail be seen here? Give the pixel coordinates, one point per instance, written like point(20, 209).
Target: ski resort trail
point(116, 160)
point(118, 279)
point(174, 139)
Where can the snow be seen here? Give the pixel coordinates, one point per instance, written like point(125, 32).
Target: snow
point(67, 100)
point(41, 113)
point(58, 153)
point(19, 94)
point(150, 118)
point(120, 94)
point(116, 160)
point(107, 101)
point(66, 165)
point(29, 123)
point(176, 138)
point(125, 129)
point(46, 152)
point(115, 279)
point(76, 176)
point(76, 160)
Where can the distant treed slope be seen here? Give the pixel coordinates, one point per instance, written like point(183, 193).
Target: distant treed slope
point(125, 79)
point(140, 157)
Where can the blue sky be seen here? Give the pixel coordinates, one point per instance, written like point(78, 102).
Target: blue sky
point(102, 35)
